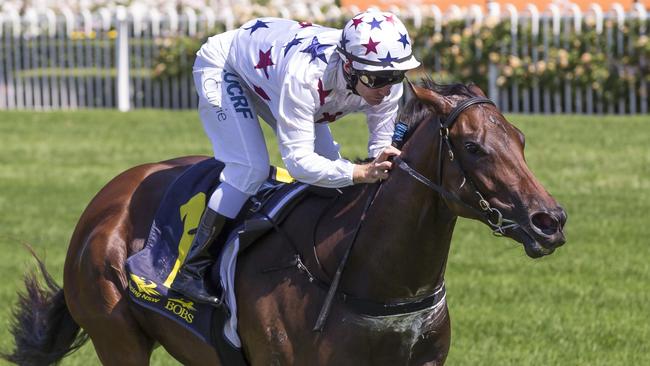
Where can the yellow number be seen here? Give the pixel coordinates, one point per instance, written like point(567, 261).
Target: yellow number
point(190, 215)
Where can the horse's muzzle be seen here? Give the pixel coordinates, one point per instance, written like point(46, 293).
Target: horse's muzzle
point(547, 227)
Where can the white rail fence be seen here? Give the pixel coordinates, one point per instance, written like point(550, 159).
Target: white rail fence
point(106, 59)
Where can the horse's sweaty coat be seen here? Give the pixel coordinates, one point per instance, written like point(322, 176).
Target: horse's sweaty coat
point(400, 250)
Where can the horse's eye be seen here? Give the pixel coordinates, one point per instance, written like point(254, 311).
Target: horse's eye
point(473, 148)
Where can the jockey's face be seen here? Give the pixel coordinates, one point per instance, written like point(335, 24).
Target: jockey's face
point(372, 96)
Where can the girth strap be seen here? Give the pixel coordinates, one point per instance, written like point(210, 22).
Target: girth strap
point(370, 307)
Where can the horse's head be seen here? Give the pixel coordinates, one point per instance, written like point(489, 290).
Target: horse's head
point(482, 168)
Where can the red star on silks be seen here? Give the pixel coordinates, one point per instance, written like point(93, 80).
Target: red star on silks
point(371, 46)
point(389, 19)
point(328, 118)
point(322, 93)
point(261, 92)
point(305, 24)
point(265, 61)
point(356, 22)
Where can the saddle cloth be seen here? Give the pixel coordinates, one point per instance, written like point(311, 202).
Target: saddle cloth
point(152, 270)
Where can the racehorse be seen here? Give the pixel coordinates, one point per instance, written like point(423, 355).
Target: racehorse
point(460, 157)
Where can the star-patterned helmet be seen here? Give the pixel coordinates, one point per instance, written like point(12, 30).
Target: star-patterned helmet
point(377, 41)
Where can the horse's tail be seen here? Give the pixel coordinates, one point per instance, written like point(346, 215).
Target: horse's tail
point(43, 329)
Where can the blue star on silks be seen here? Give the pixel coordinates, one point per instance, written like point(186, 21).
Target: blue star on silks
point(295, 41)
point(344, 41)
point(375, 23)
point(259, 24)
point(402, 38)
point(388, 59)
point(316, 50)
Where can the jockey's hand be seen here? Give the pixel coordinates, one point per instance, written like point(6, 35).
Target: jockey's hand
point(377, 169)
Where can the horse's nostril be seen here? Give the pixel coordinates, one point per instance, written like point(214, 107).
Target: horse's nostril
point(545, 223)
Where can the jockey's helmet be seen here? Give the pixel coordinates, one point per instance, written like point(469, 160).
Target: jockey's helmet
point(377, 47)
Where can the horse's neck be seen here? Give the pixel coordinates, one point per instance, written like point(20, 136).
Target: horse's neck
point(403, 243)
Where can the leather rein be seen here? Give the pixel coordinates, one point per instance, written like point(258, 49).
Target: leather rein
point(492, 216)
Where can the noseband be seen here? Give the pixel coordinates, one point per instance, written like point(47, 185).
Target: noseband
point(492, 216)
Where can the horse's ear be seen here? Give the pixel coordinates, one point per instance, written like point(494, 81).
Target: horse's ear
point(476, 90)
point(441, 104)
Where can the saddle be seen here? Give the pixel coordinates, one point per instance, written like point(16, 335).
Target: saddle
point(152, 270)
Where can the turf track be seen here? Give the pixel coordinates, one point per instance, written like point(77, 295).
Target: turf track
point(588, 304)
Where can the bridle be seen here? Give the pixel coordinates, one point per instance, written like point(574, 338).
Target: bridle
point(491, 215)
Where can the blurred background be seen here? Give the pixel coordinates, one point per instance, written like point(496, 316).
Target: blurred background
point(573, 76)
point(534, 56)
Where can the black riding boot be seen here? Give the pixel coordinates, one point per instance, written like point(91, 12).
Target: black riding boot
point(189, 279)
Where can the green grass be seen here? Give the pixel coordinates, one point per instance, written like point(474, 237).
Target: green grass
point(587, 304)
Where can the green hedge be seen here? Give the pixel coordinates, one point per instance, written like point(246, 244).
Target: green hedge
point(464, 53)
point(582, 59)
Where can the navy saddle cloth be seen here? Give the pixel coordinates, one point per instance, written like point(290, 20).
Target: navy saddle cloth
point(153, 269)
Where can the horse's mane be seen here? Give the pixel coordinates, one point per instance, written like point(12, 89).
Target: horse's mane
point(415, 111)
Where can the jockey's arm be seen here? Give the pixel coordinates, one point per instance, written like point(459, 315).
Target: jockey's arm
point(295, 131)
point(296, 139)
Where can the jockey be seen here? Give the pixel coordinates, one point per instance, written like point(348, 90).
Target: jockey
point(297, 77)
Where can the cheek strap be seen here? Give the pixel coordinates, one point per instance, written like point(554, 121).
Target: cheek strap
point(351, 80)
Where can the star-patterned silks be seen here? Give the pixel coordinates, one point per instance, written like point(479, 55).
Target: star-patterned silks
point(259, 24)
point(388, 59)
point(403, 39)
point(265, 61)
point(389, 19)
point(261, 92)
point(375, 23)
point(316, 50)
point(305, 24)
point(294, 42)
point(328, 118)
point(371, 46)
point(322, 93)
point(356, 22)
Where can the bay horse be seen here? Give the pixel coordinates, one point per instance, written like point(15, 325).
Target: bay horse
point(460, 158)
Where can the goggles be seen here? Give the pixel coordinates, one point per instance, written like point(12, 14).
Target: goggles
point(379, 79)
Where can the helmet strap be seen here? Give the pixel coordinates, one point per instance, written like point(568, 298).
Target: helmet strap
point(351, 78)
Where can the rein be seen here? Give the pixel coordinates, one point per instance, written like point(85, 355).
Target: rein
point(327, 304)
point(492, 216)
